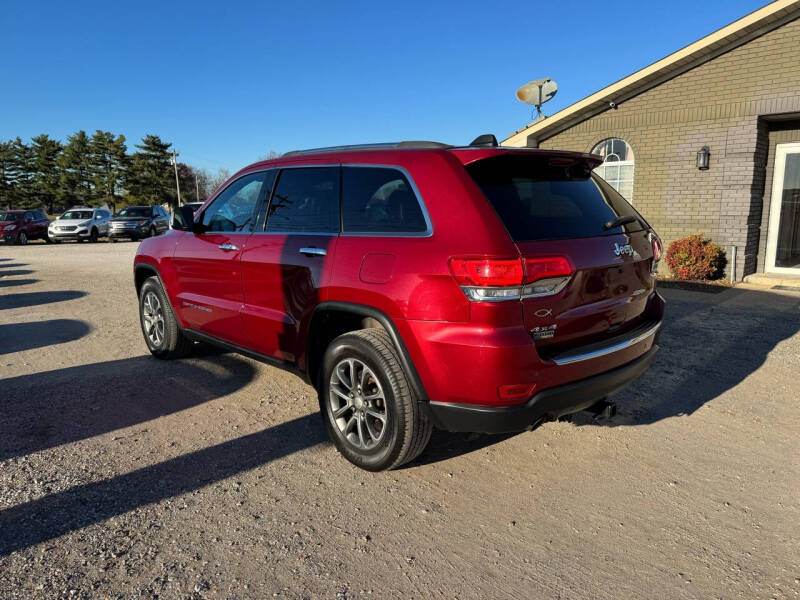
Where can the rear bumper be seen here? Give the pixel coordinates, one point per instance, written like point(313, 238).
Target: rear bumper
point(466, 363)
point(550, 403)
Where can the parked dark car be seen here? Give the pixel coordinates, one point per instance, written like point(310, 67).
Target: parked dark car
point(19, 226)
point(416, 285)
point(136, 222)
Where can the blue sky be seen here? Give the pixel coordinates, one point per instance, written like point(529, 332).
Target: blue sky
point(226, 82)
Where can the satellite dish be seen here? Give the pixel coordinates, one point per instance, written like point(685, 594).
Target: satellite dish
point(537, 92)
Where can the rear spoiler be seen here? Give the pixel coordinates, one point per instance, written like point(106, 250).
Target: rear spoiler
point(563, 158)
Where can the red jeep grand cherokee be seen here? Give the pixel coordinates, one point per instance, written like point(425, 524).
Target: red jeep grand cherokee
point(414, 285)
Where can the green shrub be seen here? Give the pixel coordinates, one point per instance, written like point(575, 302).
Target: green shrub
point(695, 257)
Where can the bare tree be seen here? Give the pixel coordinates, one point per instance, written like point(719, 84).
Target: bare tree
point(222, 175)
point(270, 155)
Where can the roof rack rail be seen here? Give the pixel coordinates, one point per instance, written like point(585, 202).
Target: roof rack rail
point(413, 145)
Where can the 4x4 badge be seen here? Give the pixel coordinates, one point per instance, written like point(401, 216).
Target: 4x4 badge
point(620, 250)
point(543, 333)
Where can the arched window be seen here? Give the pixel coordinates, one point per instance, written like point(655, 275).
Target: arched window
point(617, 167)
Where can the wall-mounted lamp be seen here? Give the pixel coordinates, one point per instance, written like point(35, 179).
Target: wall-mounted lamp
point(702, 158)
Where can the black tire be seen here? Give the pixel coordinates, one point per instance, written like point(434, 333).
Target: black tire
point(22, 238)
point(173, 343)
point(113, 240)
point(47, 239)
point(406, 430)
point(93, 236)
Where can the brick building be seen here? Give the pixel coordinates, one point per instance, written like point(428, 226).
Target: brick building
point(736, 93)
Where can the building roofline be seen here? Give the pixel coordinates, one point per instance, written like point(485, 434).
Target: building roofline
point(739, 32)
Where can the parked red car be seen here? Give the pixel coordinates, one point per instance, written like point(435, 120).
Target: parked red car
point(19, 226)
point(415, 285)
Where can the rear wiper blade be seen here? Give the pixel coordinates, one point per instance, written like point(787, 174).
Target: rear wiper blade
point(619, 221)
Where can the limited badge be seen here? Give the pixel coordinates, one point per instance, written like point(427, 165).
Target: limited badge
point(543, 333)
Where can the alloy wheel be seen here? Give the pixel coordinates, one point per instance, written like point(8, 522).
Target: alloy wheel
point(153, 319)
point(357, 404)
point(22, 238)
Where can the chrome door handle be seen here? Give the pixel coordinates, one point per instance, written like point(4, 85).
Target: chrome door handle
point(227, 246)
point(313, 251)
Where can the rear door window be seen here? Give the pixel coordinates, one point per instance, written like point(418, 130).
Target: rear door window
point(539, 200)
point(305, 200)
point(379, 200)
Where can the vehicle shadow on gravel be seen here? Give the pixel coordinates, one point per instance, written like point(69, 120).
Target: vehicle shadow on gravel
point(16, 282)
point(49, 409)
point(445, 445)
point(709, 344)
point(9, 265)
point(15, 273)
point(78, 507)
point(25, 299)
point(16, 337)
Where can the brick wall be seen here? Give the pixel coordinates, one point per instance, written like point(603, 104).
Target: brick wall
point(717, 104)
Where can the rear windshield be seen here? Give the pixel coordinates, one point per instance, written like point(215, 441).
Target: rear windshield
point(538, 200)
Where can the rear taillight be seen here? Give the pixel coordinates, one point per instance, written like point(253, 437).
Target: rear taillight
point(544, 267)
point(658, 251)
point(494, 280)
point(487, 271)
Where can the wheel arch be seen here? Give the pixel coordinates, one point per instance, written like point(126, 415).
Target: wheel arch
point(142, 271)
point(333, 318)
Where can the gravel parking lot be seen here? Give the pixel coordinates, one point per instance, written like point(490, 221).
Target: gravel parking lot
point(123, 476)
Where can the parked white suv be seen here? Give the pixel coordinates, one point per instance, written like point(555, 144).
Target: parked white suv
point(80, 223)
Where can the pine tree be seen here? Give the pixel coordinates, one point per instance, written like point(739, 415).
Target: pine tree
point(23, 180)
point(74, 170)
point(108, 162)
point(150, 175)
point(9, 170)
point(45, 176)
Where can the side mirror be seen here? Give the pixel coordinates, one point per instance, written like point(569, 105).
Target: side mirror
point(183, 219)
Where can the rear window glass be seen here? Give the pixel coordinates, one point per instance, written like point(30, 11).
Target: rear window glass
point(379, 200)
point(539, 201)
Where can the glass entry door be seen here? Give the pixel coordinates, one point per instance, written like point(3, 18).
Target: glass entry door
point(783, 237)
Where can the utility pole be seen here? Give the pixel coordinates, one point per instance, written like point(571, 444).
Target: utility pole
point(196, 188)
point(177, 181)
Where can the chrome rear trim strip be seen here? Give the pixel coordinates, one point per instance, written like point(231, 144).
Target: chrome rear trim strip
point(573, 358)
